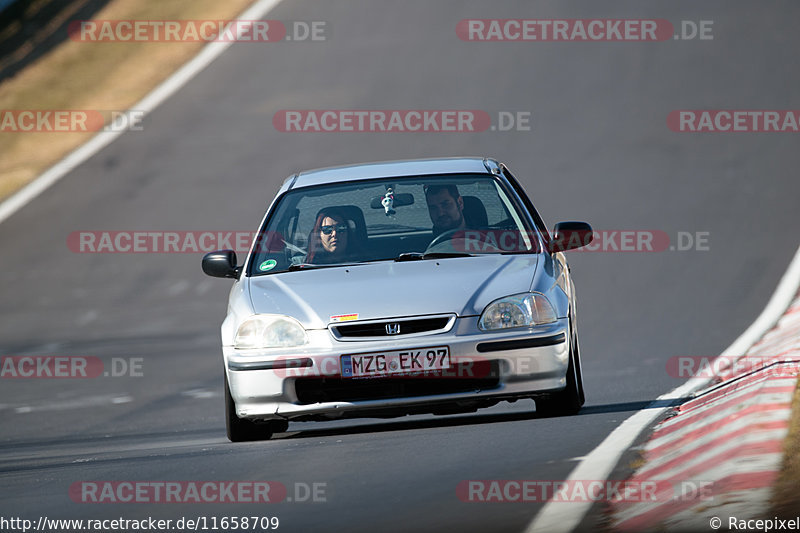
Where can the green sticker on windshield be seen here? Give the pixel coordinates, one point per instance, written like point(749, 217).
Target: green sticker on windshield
point(269, 264)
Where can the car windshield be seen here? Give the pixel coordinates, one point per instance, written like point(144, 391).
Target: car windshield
point(392, 219)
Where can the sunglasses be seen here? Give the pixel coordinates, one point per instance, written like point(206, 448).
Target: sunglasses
point(340, 228)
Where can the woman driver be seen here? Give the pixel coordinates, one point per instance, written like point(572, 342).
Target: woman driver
point(328, 241)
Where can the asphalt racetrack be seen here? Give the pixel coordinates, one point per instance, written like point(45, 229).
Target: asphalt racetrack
point(597, 147)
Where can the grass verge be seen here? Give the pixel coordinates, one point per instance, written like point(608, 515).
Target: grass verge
point(93, 76)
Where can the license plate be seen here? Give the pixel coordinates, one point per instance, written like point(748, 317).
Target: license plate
point(378, 364)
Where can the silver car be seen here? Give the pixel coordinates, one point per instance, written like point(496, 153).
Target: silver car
point(387, 289)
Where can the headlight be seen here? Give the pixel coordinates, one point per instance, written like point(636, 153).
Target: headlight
point(269, 331)
point(520, 310)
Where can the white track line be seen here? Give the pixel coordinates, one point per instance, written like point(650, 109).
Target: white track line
point(157, 96)
point(598, 464)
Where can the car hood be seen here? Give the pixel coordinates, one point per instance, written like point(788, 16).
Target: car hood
point(463, 286)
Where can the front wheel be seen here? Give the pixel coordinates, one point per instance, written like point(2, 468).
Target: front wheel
point(242, 430)
point(570, 400)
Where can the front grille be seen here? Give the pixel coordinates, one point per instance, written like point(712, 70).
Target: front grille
point(477, 376)
point(379, 329)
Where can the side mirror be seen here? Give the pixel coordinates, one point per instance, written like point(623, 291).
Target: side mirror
point(570, 235)
point(221, 264)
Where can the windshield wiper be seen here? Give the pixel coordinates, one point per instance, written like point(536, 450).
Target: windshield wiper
point(445, 255)
point(419, 256)
point(310, 266)
point(409, 256)
point(301, 266)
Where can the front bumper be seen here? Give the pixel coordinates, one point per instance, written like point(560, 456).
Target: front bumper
point(306, 382)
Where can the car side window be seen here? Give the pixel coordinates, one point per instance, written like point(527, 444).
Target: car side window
point(537, 219)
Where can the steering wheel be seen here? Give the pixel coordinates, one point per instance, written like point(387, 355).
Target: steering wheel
point(446, 236)
point(479, 237)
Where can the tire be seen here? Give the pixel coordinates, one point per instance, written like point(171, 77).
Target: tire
point(242, 430)
point(569, 401)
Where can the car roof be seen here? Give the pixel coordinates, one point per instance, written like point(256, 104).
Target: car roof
point(389, 169)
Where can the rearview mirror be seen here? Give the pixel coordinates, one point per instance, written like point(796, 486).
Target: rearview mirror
point(221, 264)
point(399, 200)
point(570, 235)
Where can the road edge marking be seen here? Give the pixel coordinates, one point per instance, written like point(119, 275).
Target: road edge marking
point(152, 100)
point(599, 463)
